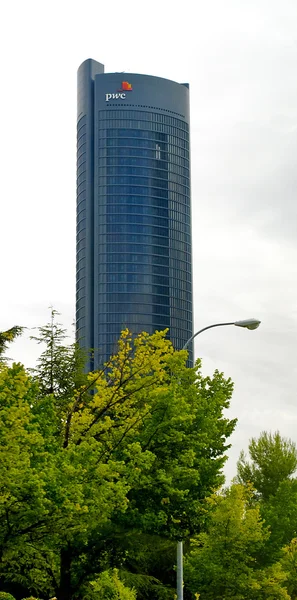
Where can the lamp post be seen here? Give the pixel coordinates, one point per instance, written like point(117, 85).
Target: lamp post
point(246, 324)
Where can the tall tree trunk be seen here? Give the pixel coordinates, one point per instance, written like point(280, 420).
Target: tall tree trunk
point(65, 576)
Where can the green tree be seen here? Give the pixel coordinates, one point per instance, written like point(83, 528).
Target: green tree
point(23, 463)
point(108, 586)
point(271, 469)
point(222, 563)
point(60, 366)
point(145, 561)
point(273, 459)
point(136, 447)
point(270, 583)
point(186, 433)
point(280, 514)
point(289, 565)
point(6, 337)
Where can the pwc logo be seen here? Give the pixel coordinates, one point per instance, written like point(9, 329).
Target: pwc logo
point(121, 94)
point(126, 87)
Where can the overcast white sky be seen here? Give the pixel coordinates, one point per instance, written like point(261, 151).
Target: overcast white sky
point(240, 58)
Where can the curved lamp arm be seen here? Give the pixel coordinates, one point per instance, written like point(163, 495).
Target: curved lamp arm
point(204, 329)
point(246, 324)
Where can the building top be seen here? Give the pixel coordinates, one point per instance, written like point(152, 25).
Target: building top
point(135, 90)
point(96, 68)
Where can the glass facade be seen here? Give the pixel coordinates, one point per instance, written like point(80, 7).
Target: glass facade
point(81, 250)
point(140, 235)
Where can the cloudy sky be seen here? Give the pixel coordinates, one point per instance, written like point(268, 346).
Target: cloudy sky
point(240, 57)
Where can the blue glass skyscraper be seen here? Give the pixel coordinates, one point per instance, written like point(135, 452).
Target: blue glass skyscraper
point(133, 208)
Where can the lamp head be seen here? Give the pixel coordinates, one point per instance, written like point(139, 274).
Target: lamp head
point(248, 323)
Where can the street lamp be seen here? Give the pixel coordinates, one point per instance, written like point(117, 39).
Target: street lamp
point(246, 324)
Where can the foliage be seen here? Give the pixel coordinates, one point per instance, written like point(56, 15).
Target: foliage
point(108, 586)
point(136, 447)
point(6, 337)
point(222, 563)
point(60, 366)
point(270, 584)
point(146, 563)
point(6, 596)
point(101, 473)
point(22, 462)
point(280, 514)
point(289, 565)
point(273, 460)
point(189, 451)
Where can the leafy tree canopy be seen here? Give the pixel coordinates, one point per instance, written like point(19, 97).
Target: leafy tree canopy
point(222, 563)
point(5, 338)
point(137, 445)
point(280, 514)
point(289, 565)
point(273, 459)
point(108, 586)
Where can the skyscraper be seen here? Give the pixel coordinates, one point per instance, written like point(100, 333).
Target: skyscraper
point(133, 208)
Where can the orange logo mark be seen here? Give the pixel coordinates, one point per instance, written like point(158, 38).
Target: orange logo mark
point(126, 87)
